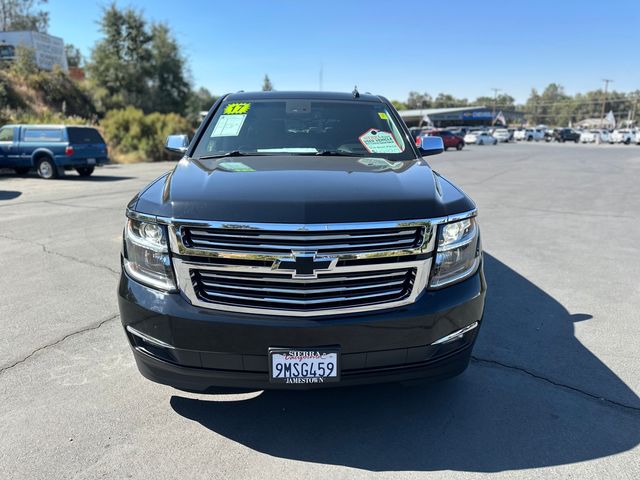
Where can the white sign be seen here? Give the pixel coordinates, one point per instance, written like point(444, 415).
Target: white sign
point(48, 50)
point(378, 141)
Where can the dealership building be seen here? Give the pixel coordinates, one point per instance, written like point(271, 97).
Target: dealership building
point(458, 116)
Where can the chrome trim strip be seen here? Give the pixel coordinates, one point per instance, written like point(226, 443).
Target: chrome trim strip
point(301, 280)
point(455, 335)
point(301, 291)
point(148, 339)
point(185, 283)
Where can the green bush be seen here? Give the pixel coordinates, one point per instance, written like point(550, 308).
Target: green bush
point(132, 135)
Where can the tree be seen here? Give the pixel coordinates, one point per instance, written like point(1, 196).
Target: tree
point(138, 65)
point(399, 105)
point(121, 62)
point(267, 86)
point(501, 101)
point(169, 86)
point(74, 57)
point(419, 100)
point(200, 100)
point(444, 100)
point(23, 15)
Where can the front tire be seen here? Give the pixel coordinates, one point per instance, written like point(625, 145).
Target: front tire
point(459, 146)
point(627, 141)
point(481, 142)
point(47, 169)
point(85, 171)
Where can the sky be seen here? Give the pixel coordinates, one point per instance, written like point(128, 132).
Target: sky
point(465, 48)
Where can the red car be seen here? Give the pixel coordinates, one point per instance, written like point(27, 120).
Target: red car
point(449, 139)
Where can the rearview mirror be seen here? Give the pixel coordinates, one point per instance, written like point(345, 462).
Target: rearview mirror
point(177, 143)
point(430, 145)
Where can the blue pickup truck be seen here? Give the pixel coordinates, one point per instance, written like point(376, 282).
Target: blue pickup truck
point(51, 149)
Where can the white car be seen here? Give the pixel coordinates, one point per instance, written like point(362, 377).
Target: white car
point(594, 136)
point(529, 134)
point(502, 135)
point(623, 135)
point(480, 138)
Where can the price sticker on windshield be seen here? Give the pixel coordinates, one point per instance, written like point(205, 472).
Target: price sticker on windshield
point(237, 108)
point(378, 141)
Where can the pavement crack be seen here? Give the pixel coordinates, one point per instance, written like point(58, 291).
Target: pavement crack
point(88, 328)
point(555, 383)
point(48, 251)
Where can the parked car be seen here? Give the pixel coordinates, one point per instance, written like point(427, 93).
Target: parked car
point(239, 270)
point(449, 139)
point(529, 134)
point(502, 135)
point(52, 149)
point(594, 136)
point(480, 137)
point(623, 135)
point(566, 135)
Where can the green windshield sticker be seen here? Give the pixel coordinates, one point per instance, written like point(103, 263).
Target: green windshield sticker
point(235, 167)
point(378, 141)
point(383, 116)
point(236, 108)
point(228, 126)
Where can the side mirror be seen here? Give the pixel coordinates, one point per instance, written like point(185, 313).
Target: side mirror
point(430, 145)
point(177, 143)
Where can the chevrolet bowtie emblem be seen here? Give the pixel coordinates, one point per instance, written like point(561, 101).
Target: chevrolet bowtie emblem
point(305, 264)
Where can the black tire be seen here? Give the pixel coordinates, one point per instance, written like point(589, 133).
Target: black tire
point(85, 171)
point(445, 148)
point(21, 170)
point(460, 146)
point(529, 138)
point(46, 168)
point(495, 142)
point(563, 140)
point(481, 142)
point(627, 141)
point(577, 140)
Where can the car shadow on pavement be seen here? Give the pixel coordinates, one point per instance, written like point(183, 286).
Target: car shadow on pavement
point(9, 194)
point(528, 400)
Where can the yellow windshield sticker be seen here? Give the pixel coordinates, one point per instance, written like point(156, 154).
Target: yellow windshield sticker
point(237, 108)
point(383, 116)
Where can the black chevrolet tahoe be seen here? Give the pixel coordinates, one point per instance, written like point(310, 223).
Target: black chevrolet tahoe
point(302, 241)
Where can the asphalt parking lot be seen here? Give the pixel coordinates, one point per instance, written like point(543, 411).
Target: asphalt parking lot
point(552, 391)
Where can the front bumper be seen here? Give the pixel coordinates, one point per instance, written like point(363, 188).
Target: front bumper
point(196, 349)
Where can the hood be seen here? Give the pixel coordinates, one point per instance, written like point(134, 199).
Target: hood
point(301, 189)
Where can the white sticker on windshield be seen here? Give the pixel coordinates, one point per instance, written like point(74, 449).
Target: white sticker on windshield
point(378, 141)
point(228, 125)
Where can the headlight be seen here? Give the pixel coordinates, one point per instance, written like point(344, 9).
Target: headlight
point(458, 252)
point(146, 254)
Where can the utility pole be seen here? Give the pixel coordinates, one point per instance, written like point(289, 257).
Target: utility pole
point(495, 100)
point(604, 99)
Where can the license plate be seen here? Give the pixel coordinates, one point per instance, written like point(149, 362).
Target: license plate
point(303, 366)
point(91, 161)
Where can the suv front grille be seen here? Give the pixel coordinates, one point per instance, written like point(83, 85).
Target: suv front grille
point(302, 269)
point(284, 242)
point(279, 291)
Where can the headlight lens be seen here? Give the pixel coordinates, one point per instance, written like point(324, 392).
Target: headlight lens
point(458, 253)
point(146, 254)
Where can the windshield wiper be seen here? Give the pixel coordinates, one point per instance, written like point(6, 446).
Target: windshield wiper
point(234, 153)
point(335, 153)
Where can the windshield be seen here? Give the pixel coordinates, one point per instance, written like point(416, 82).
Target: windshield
point(304, 127)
